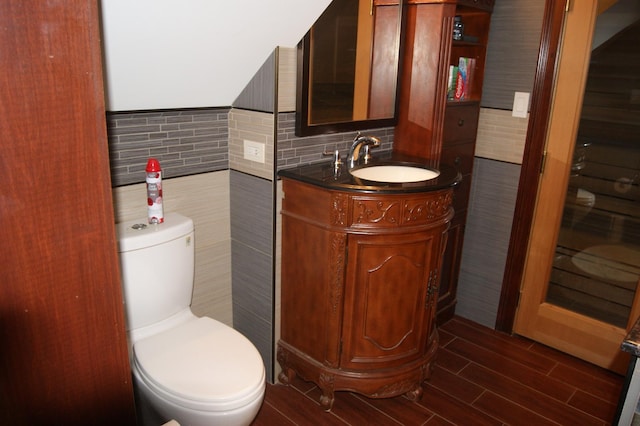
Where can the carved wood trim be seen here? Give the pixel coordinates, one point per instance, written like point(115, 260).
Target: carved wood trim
point(400, 212)
point(422, 211)
point(376, 212)
point(336, 296)
point(339, 209)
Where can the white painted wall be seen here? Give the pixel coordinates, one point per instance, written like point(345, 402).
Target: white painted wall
point(193, 53)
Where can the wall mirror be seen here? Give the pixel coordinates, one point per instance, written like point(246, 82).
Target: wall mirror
point(348, 68)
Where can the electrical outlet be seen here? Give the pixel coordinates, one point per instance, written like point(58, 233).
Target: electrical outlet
point(254, 151)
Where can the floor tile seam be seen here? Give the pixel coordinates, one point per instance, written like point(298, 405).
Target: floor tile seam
point(462, 401)
point(506, 356)
point(363, 399)
point(432, 416)
point(604, 401)
point(519, 364)
point(463, 357)
point(486, 391)
point(534, 391)
point(314, 401)
point(281, 413)
point(571, 366)
point(498, 335)
point(598, 381)
point(613, 404)
point(540, 413)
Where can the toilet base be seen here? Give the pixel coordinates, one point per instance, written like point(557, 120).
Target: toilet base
point(145, 412)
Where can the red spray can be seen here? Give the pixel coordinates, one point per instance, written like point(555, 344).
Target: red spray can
point(155, 211)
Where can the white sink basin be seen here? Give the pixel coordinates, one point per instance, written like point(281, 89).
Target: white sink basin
point(394, 174)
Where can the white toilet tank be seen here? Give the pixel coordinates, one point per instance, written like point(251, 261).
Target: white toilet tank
point(157, 266)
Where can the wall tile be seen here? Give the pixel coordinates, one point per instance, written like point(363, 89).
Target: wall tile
point(500, 136)
point(294, 151)
point(252, 218)
point(253, 126)
point(486, 242)
point(287, 75)
point(512, 52)
point(185, 142)
point(205, 199)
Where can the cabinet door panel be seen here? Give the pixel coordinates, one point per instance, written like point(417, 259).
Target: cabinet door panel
point(460, 122)
point(460, 156)
point(386, 303)
point(313, 291)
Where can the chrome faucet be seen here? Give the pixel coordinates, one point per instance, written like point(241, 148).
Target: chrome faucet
point(359, 141)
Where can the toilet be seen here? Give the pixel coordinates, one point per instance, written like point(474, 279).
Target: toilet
point(194, 370)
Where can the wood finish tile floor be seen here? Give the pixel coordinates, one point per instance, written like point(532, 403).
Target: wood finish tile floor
point(481, 377)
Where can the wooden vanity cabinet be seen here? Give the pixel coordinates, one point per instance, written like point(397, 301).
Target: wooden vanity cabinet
point(360, 275)
point(430, 124)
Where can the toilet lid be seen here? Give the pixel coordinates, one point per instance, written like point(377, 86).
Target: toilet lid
point(201, 360)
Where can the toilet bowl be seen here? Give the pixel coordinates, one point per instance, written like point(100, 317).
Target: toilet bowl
point(200, 371)
point(580, 205)
point(195, 370)
point(610, 263)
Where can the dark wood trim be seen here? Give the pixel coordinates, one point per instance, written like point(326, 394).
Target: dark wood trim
point(531, 163)
point(64, 357)
point(383, 21)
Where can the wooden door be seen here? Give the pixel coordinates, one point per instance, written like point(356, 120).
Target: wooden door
point(388, 308)
point(63, 350)
point(543, 313)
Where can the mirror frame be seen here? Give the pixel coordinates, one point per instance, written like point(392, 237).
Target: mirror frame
point(303, 128)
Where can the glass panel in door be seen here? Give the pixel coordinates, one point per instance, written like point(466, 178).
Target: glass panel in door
point(596, 268)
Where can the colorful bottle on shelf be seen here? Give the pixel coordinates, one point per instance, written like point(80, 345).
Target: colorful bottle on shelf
point(155, 210)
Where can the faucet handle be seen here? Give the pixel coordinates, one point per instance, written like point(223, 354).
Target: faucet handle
point(337, 161)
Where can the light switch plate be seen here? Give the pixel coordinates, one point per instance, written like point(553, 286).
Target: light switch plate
point(520, 104)
point(254, 151)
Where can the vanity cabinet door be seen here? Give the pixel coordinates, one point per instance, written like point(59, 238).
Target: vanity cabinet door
point(389, 300)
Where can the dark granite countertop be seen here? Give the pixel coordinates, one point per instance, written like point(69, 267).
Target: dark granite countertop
point(631, 343)
point(326, 176)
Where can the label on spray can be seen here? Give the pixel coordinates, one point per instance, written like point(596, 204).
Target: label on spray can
point(155, 211)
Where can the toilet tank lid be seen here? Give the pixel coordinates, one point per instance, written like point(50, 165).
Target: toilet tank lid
point(137, 234)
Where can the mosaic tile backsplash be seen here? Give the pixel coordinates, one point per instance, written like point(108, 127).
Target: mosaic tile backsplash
point(185, 142)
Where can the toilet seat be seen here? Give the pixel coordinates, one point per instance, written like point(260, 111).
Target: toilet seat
point(201, 364)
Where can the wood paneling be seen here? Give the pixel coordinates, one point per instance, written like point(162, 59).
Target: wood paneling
point(62, 333)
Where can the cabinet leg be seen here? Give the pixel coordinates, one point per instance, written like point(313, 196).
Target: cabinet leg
point(286, 376)
point(326, 384)
point(415, 394)
point(326, 400)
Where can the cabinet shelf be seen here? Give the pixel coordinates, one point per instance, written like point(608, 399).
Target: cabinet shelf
point(453, 102)
point(466, 43)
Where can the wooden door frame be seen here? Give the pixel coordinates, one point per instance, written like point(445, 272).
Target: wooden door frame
point(531, 163)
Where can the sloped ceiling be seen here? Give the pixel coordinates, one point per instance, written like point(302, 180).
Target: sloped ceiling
point(193, 53)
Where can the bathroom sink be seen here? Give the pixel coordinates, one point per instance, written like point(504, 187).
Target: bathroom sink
point(394, 173)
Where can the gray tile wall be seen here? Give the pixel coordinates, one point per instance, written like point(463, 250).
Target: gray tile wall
point(512, 53)
point(259, 94)
point(486, 242)
point(185, 142)
point(294, 151)
point(252, 241)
